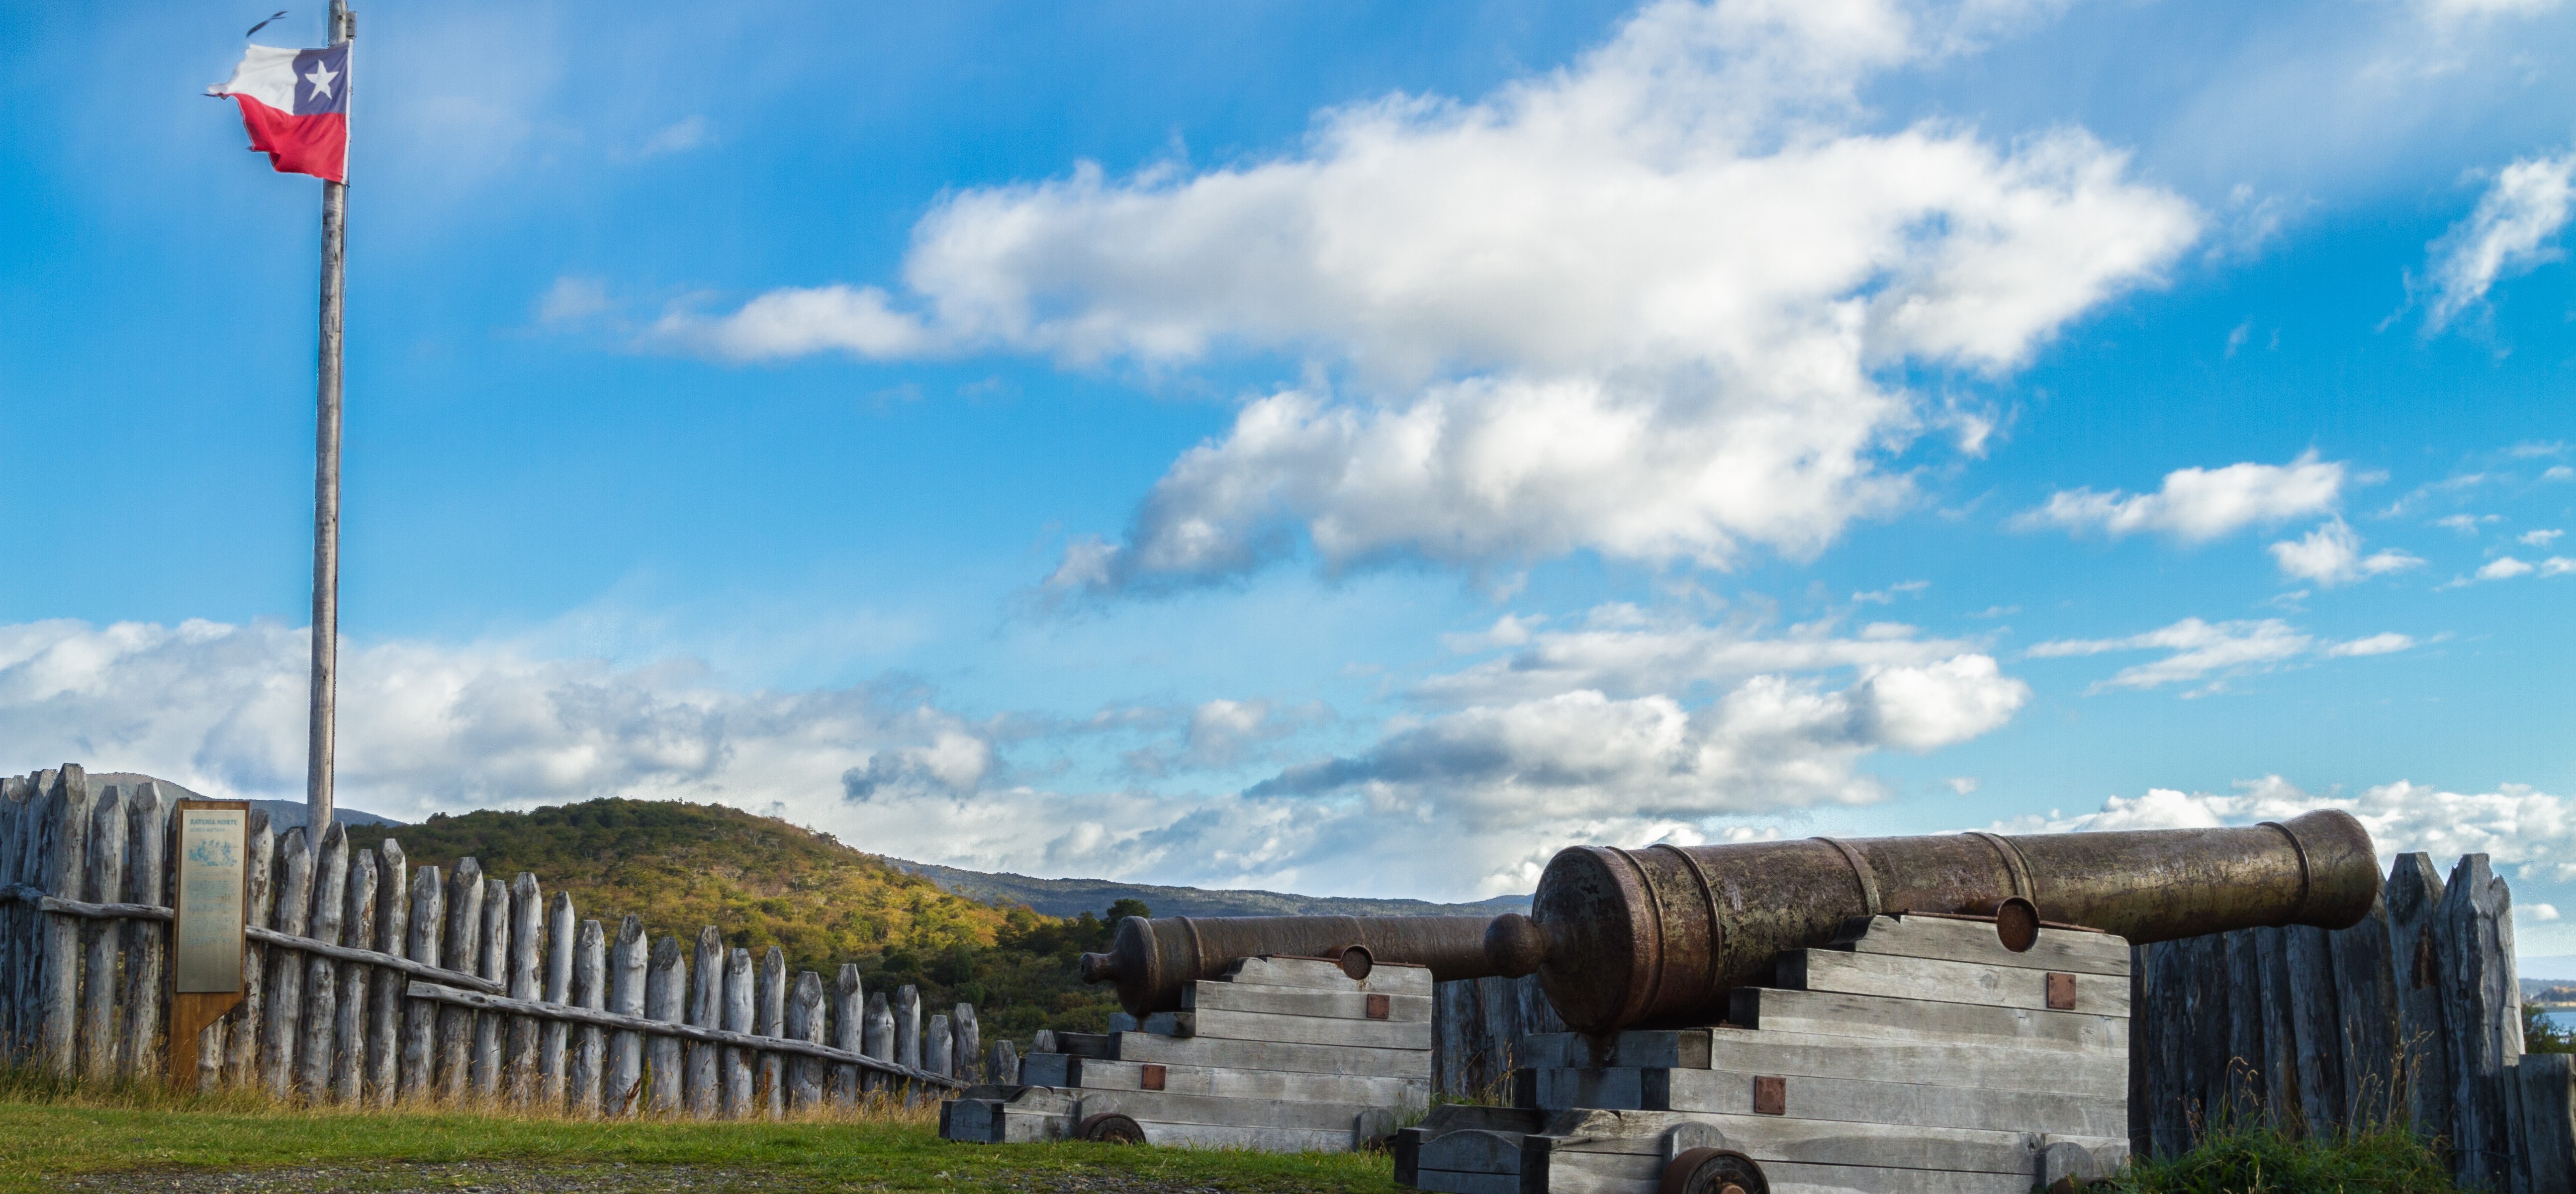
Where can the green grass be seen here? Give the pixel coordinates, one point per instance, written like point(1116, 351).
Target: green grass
point(49, 1133)
point(2389, 1159)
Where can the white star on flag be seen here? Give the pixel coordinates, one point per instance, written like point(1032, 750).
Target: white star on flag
point(321, 79)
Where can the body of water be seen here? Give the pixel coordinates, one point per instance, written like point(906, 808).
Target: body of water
point(2562, 1017)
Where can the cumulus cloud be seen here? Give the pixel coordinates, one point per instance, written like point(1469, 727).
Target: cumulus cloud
point(1626, 652)
point(2514, 825)
point(2196, 504)
point(2215, 651)
point(2538, 538)
point(427, 728)
point(1656, 304)
point(1584, 764)
point(2331, 555)
point(2511, 231)
point(798, 322)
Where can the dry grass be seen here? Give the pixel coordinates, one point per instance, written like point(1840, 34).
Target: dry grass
point(56, 1137)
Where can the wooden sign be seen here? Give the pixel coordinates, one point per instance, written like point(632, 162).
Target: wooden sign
point(206, 933)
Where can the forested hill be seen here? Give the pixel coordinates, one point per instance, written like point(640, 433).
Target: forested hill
point(1068, 897)
point(764, 882)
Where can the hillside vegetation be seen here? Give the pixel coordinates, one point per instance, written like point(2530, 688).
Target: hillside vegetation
point(764, 882)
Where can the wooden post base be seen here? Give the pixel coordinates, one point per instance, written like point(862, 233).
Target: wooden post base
point(189, 1015)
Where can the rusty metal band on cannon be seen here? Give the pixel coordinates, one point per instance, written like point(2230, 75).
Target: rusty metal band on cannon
point(1153, 961)
point(1656, 937)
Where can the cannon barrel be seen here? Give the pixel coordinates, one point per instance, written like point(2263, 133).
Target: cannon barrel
point(1656, 937)
point(1153, 961)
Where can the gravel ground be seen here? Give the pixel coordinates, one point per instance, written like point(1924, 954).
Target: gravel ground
point(489, 1177)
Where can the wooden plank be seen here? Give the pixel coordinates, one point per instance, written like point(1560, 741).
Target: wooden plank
point(938, 1048)
point(1163, 1106)
point(2548, 1082)
point(1272, 1055)
point(666, 991)
point(2316, 1024)
point(321, 974)
point(349, 1036)
point(1448, 1181)
point(2479, 1005)
point(105, 881)
point(1229, 1082)
point(14, 791)
point(1472, 1150)
point(907, 1027)
point(1944, 980)
point(849, 1030)
point(1792, 1178)
point(1975, 941)
point(527, 981)
point(1859, 1100)
point(1294, 1030)
point(1976, 1066)
point(967, 1062)
point(2365, 995)
point(1269, 1140)
point(2280, 1038)
point(285, 1013)
point(738, 998)
point(1386, 978)
point(1303, 1001)
point(462, 951)
point(491, 1032)
point(706, 1010)
point(385, 1005)
point(805, 1023)
point(622, 1088)
point(571, 1014)
point(878, 1036)
point(590, 993)
point(1685, 1047)
point(1828, 1013)
point(2201, 1025)
point(1769, 1138)
point(428, 922)
point(563, 926)
point(2248, 1042)
point(769, 1018)
point(148, 821)
point(56, 1002)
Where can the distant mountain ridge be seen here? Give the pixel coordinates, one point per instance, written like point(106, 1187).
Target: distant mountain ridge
point(1072, 897)
point(1047, 897)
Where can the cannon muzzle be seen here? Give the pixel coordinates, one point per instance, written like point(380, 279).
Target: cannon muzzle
point(1655, 937)
point(1153, 961)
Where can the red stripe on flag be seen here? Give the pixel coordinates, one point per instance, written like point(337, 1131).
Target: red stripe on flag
point(315, 145)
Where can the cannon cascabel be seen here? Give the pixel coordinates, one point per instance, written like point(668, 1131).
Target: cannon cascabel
point(1656, 937)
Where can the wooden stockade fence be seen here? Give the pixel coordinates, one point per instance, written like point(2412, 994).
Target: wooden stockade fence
point(2414, 1012)
point(367, 982)
point(1477, 1025)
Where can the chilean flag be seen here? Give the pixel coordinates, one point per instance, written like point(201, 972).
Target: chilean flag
point(296, 105)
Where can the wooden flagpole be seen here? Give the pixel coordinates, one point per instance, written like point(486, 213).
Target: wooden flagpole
point(326, 492)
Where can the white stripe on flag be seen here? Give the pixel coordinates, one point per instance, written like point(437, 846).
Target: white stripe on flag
point(266, 74)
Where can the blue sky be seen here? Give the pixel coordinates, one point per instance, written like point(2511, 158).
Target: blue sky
point(1337, 447)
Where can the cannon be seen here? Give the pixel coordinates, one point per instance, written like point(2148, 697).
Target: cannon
point(1153, 961)
point(1657, 937)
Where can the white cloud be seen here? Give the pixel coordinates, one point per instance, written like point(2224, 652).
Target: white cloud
point(2460, 10)
point(680, 137)
point(2467, 524)
point(2542, 913)
point(1889, 594)
point(2559, 472)
point(2331, 555)
point(1585, 766)
point(2538, 538)
point(2513, 825)
point(1656, 304)
point(2218, 651)
point(2510, 232)
point(1627, 652)
point(572, 300)
point(428, 728)
point(2196, 504)
point(796, 322)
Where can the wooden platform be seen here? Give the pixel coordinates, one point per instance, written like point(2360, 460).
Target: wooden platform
point(1281, 1054)
point(1917, 1055)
